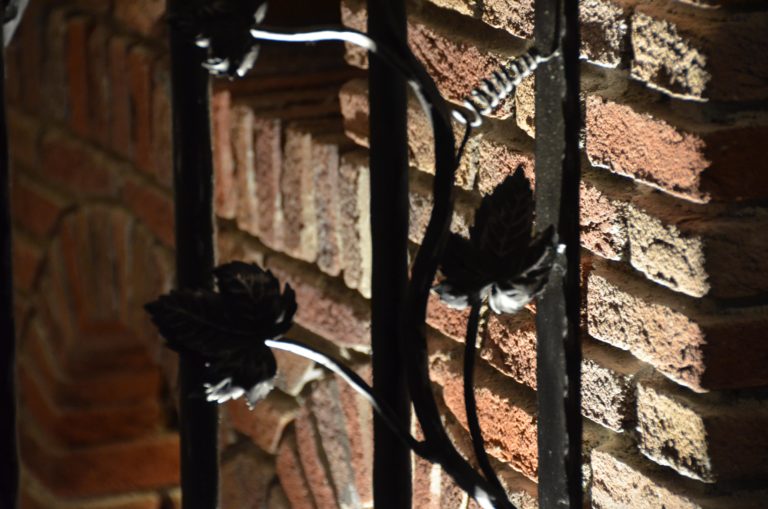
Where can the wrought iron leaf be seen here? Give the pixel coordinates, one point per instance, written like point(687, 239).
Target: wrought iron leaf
point(500, 259)
point(223, 27)
point(228, 328)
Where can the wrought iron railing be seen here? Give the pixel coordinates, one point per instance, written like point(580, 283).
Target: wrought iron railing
point(224, 321)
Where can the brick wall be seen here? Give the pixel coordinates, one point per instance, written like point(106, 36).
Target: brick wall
point(673, 221)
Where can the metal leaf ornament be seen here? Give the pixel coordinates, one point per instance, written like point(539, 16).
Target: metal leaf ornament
point(223, 27)
point(228, 328)
point(501, 260)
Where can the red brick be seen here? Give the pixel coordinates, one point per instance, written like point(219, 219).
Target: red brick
point(31, 33)
point(266, 422)
point(142, 16)
point(507, 413)
point(77, 168)
point(35, 210)
point(269, 160)
point(334, 439)
point(78, 28)
point(695, 164)
point(26, 263)
point(324, 308)
point(689, 341)
point(291, 475)
point(294, 372)
point(358, 417)
point(35, 496)
point(509, 345)
point(326, 161)
point(223, 158)
point(23, 139)
point(148, 463)
point(246, 479)
point(700, 55)
point(55, 75)
point(153, 207)
point(140, 63)
point(122, 142)
point(318, 478)
point(99, 101)
point(90, 425)
point(451, 322)
point(162, 132)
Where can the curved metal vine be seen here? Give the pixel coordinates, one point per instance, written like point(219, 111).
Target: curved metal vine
point(233, 329)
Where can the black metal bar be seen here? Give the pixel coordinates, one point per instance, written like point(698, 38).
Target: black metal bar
point(9, 466)
point(193, 195)
point(389, 231)
point(557, 203)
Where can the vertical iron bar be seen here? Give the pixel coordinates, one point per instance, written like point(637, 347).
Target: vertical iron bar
point(389, 230)
point(193, 197)
point(557, 203)
point(9, 464)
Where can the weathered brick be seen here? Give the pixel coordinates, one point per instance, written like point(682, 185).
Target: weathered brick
point(512, 439)
point(291, 475)
point(226, 198)
point(324, 307)
point(329, 416)
point(358, 418)
point(140, 71)
point(708, 437)
point(266, 422)
point(294, 372)
point(91, 425)
point(153, 207)
point(120, 97)
point(319, 480)
point(77, 168)
point(451, 322)
point(420, 201)
point(142, 16)
point(686, 247)
point(698, 56)
point(326, 161)
point(78, 28)
point(244, 194)
point(298, 196)
point(354, 204)
point(455, 63)
point(55, 77)
point(608, 386)
point(687, 340)
point(162, 135)
point(697, 164)
point(269, 160)
point(624, 480)
point(99, 88)
point(603, 216)
point(353, 99)
point(35, 495)
point(35, 209)
point(26, 263)
point(509, 345)
point(148, 463)
point(246, 479)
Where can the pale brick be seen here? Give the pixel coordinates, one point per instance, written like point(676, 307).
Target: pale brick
point(687, 248)
point(269, 160)
point(689, 341)
point(624, 480)
point(354, 203)
point(245, 183)
point(701, 57)
point(298, 196)
point(294, 372)
point(711, 438)
point(325, 162)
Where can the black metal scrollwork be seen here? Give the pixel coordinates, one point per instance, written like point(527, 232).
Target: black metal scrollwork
point(233, 329)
